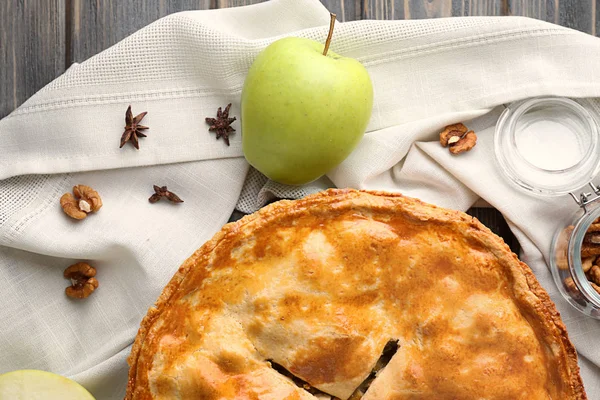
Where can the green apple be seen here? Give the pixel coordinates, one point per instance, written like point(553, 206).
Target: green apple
point(303, 112)
point(29, 384)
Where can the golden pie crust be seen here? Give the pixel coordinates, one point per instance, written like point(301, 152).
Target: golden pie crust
point(320, 285)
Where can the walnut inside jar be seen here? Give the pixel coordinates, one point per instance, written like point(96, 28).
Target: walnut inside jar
point(590, 254)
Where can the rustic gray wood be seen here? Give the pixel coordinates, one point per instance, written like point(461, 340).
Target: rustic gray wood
point(596, 11)
point(32, 51)
point(483, 7)
point(383, 9)
point(494, 220)
point(39, 38)
point(546, 10)
point(235, 3)
point(96, 25)
point(419, 9)
point(345, 10)
point(577, 15)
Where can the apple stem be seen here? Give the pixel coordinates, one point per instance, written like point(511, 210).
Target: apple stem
point(328, 41)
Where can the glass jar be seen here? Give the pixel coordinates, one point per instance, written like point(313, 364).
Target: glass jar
point(550, 146)
point(569, 267)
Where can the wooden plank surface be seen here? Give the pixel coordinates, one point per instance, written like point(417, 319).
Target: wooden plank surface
point(348, 10)
point(577, 15)
point(32, 51)
point(382, 9)
point(546, 10)
point(235, 3)
point(494, 220)
point(419, 9)
point(96, 25)
point(40, 38)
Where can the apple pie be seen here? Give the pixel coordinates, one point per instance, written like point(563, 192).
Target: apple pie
point(354, 295)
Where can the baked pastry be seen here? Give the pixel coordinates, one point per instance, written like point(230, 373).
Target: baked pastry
point(312, 298)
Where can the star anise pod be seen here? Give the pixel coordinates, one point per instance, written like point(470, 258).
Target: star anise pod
point(133, 129)
point(160, 192)
point(221, 124)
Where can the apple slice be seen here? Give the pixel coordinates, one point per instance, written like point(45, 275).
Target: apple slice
point(29, 384)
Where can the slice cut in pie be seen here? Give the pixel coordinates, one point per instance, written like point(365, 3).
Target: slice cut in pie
point(349, 294)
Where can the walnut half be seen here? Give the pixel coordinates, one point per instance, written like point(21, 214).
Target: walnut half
point(84, 201)
point(463, 144)
point(458, 138)
point(83, 281)
point(450, 132)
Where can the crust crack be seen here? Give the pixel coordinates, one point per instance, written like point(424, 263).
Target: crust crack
point(389, 350)
point(302, 384)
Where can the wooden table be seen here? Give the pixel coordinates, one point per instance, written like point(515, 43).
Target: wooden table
point(39, 39)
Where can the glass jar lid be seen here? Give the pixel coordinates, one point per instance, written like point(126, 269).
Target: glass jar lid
point(548, 145)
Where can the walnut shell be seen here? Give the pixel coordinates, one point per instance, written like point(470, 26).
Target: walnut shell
point(456, 130)
point(70, 206)
point(83, 201)
point(466, 143)
point(82, 276)
point(89, 195)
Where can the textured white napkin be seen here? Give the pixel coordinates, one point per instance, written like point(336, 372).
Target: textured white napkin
point(426, 74)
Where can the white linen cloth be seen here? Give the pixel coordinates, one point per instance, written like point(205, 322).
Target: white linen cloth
point(426, 74)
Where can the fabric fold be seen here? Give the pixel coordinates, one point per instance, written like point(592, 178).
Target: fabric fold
point(183, 67)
